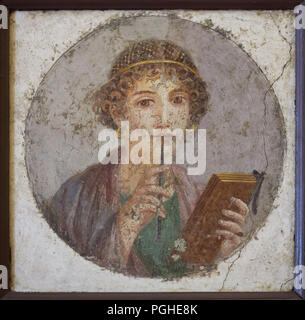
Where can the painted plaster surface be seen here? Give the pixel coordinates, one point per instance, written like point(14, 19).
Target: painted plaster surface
point(43, 262)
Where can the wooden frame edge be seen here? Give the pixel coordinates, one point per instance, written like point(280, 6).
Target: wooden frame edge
point(300, 153)
point(148, 4)
point(290, 295)
point(5, 256)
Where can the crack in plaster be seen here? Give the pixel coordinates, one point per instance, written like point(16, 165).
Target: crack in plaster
point(285, 282)
point(272, 84)
point(230, 268)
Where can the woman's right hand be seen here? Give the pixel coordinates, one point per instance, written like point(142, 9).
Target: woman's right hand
point(142, 206)
point(145, 201)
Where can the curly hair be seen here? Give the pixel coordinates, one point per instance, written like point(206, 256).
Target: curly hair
point(111, 98)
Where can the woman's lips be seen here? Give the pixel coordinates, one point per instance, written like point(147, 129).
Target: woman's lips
point(162, 126)
point(165, 127)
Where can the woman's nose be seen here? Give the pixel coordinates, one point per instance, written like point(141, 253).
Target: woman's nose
point(162, 114)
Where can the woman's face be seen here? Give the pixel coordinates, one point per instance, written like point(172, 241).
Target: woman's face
point(159, 103)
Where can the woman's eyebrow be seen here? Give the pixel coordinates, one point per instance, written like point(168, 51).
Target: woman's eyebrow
point(179, 90)
point(143, 92)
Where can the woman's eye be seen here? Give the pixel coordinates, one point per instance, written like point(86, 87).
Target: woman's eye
point(178, 100)
point(145, 103)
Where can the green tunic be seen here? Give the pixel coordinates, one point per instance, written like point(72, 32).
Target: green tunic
point(154, 252)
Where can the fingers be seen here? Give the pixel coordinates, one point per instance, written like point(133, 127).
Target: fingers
point(236, 219)
point(146, 200)
point(230, 226)
point(243, 208)
point(148, 208)
point(228, 235)
point(234, 216)
point(149, 199)
point(155, 204)
point(231, 229)
point(156, 190)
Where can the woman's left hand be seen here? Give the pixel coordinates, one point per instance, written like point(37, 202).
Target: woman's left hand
point(230, 227)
